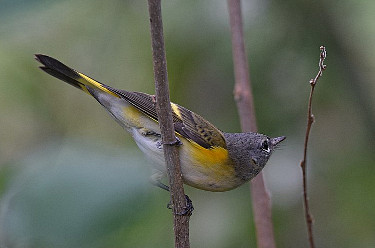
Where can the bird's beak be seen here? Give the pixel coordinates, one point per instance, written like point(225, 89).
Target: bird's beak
point(277, 140)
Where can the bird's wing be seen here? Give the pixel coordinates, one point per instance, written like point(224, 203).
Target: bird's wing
point(187, 123)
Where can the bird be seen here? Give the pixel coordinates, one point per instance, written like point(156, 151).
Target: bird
point(210, 159)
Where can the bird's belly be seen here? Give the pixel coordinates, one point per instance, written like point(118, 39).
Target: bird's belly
point(152, 147)
point(206, 169)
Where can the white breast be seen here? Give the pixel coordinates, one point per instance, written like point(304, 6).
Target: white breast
point(152, 147)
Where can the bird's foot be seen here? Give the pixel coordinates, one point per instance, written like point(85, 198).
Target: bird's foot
point(187, 210)
point(177, 142)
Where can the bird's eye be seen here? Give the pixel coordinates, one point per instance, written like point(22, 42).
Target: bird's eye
point(265, 145)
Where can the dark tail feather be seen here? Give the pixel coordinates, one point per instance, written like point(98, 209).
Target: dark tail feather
point(59, 70)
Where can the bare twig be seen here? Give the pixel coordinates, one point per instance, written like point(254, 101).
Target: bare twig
point(181, 222)
point(243, 96)
point(310, 121)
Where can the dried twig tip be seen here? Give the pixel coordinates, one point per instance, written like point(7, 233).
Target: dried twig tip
point(323, 55)
point(322, 66)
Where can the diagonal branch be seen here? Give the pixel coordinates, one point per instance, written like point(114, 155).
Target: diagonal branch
point(171, 155)
point(310, 121)
point(243, 96)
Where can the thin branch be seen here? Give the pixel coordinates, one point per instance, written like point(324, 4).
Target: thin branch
point(310, 121)
point(244, 99)
point(171, 154)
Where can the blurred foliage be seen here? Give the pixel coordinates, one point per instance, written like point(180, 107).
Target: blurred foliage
point(70, 176)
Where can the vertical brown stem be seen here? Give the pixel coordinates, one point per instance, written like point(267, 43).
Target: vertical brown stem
point(244, 99)
point(171, 154)
point(310, 121)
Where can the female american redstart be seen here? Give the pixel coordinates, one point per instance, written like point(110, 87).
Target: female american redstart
point(210, 159)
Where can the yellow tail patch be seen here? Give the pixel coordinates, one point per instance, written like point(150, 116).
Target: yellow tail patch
point(91, 82)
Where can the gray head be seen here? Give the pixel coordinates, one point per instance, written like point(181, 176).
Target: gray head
point(250, 152)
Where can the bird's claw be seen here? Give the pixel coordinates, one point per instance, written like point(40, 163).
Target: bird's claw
point(177, 142)
point(188, 209)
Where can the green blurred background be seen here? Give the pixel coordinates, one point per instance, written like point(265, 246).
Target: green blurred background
point(71, 177)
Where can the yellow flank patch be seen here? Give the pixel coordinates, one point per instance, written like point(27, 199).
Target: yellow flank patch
point(176, 110)
point(132, 115)
point(214, 161)
point(96, 84)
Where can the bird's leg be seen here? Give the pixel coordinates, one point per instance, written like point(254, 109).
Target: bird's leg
point(177, 142)
point(156, 180)
point(148, 132)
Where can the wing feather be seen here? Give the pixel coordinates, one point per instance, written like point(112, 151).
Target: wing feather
point(187, 123)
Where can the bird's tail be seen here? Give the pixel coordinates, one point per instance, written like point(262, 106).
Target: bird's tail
point(79, 80)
